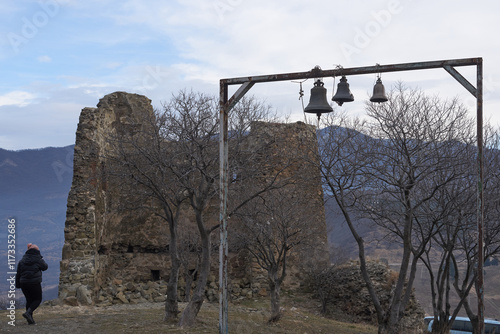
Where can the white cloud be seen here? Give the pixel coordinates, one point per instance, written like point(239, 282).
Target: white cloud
point(158, 47)
point(17, 98)
point(113, 65)
point(44, 59)
point(49, 124)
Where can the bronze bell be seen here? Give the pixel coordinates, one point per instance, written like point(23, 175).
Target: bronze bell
point(343, 93)
point(318, 103)
point(379, 92)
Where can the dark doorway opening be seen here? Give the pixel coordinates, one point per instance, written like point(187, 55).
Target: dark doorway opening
point(155, 274)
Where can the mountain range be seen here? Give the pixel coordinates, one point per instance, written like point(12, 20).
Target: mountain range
point(34, 187)
point(34, 190)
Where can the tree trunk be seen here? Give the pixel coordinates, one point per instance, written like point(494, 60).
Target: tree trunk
point(171, 303)
point(275, 287)
point(189, 314)
point(362, 260)
point(386, 328)
point(189, 282)
point(397, 306)
point(442, 326)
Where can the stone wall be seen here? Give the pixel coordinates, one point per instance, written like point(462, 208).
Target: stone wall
point(112, 255)
point(344, 290)
point(91, 217)
point(78, 254)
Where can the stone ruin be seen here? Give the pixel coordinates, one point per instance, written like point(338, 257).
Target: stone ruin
point(113, 256)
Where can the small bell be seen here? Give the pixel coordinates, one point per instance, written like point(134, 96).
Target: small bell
point(379, 92)
point(318, 103)
point(343, 93)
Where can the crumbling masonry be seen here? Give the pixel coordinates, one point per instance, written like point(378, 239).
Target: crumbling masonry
point(111, 256)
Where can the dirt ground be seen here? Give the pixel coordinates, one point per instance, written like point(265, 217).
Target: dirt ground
point(65, 319)
point(245, 317)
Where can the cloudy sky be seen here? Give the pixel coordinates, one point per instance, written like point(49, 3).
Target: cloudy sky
point(59, 56)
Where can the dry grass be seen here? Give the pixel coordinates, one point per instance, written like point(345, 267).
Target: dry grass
point(249, 316)
point(491, 288)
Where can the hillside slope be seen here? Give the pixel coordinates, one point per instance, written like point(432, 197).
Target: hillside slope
point(34, 189)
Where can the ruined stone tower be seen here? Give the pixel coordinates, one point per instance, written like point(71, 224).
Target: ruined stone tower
point(115, 256)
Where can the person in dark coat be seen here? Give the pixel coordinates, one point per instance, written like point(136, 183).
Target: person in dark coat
point(29, 279)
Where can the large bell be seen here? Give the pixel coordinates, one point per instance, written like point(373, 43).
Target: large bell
point(318, 103)
point(343, 93)
point(379, 92)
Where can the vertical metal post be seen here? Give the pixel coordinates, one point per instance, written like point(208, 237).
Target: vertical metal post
point(480, 198)
point(224, 170)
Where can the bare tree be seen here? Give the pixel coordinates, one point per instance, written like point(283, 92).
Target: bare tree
point(341, 160)
point(390, 176)
point(418, 142)
point(448, 218)
point(492, 192)
point(455, 240)
point(191, 121)
point(145, 165)
point(189, 254)
point(197, 127)
point(175, 162)
point(171, 158)
point(491, 228)
point(280, 222)
point(271, 228)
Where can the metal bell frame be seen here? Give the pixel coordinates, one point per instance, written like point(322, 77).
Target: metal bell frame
point(247, 82)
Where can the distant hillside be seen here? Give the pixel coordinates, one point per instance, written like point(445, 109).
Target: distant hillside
point(34, 189)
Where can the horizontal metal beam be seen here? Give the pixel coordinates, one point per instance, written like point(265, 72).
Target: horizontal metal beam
point(319, 73)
